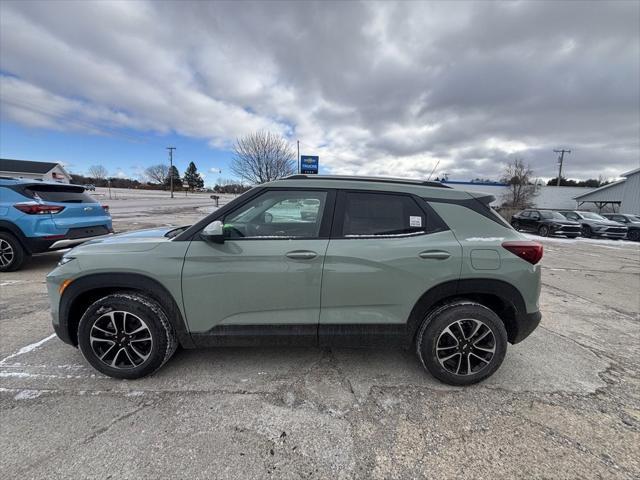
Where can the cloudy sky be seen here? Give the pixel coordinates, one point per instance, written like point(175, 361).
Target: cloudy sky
point(373, 88)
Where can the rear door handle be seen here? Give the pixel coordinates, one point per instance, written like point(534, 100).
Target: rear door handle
point(302, 254)
point(434, 255)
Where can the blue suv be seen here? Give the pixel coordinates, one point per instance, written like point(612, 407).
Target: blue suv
point(37, 216)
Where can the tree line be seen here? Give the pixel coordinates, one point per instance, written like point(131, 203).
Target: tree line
point(159, 177)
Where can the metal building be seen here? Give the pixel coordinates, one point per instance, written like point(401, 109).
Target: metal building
point(622, 196)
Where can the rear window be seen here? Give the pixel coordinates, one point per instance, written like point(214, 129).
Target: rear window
point(58, 194)
point(380, 215)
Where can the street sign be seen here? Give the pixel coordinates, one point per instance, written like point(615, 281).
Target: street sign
point(309, 164)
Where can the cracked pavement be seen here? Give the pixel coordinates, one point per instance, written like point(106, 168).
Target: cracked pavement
point(565, 403)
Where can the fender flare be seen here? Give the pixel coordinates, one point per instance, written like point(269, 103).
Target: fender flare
point(105, 283)
point(514, 308)
point(16, 232)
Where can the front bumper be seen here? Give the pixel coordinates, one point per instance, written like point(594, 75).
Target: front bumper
point(610, 234)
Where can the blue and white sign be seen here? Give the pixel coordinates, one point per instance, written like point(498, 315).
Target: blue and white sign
point(309, 164)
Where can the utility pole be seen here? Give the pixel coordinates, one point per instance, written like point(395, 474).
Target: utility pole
point(171, 149)
point(299, 164)
point(560, 160)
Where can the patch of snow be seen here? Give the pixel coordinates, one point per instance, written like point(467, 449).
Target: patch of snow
point(484, 239)
point(134, 393)
point(27, 348)
point(27, 394)
point(603, 242)
point(391, 235)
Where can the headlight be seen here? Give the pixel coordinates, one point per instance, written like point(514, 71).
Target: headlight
point(65, 259)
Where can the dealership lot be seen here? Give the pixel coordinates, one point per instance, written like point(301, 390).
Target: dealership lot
point(565, 404)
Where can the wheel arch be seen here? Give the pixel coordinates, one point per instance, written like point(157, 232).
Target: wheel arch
point(14, 230)
point(83, 291)
point(501, 297)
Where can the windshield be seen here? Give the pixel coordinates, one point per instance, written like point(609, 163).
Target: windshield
point(592, 216)
point(550, 215)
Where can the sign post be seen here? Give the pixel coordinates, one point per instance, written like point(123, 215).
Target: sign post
point(309, 164)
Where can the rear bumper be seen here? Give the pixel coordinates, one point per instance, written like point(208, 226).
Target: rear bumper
point(43, 244)
point(75, 241)
point(525, 324)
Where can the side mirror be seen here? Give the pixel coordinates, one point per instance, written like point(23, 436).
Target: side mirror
point(214, 232)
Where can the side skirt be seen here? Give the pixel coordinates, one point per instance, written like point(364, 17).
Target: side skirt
point(337, 335)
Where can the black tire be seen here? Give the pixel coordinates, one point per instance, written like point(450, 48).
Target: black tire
point(432, 338)
point(543, 231)
point(633, 235)
point(515, 224)
point(12, 255)
point(586, 231)
point(573, 236)
point(103, 319)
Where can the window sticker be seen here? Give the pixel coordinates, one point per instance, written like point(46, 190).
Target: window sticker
point(415, 221)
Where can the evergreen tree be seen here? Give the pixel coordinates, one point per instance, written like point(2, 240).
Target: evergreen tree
point(177, 181)
point(192, 177)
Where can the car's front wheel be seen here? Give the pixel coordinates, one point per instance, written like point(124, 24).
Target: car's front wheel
point(515, 224)
point(126, 335)
point(462, 343)
point(543, 231)
point(586, 231)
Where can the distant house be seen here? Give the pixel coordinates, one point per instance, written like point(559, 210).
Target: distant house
point(45, 171)
point(622, 196)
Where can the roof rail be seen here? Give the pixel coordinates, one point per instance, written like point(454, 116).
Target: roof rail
point(404, 181)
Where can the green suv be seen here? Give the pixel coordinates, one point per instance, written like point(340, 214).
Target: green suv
point(309, 261)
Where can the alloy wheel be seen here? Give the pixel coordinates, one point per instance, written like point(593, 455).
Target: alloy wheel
point(6, 253)
point(465, 347)
point(121, 340)
point(544, 231)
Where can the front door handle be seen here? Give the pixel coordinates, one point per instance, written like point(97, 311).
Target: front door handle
point(434, 255)
point(302, 254)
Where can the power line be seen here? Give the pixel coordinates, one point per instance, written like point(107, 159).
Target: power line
point(560, 160)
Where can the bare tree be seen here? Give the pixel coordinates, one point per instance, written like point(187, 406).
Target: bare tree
point(98, 172)
point(518, 177)
point(262, 157)
point(157, 173)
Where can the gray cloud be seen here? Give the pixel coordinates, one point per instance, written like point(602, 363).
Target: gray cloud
point(375, 88)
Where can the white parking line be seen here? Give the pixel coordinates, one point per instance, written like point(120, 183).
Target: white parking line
point(27, 349)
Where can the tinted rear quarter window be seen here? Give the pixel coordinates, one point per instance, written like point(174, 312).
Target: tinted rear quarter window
point(379, 215)
point(62, 194)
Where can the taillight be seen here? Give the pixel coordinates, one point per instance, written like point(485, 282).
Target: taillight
point(38, 208)
point(529, 251)
point(105, 208)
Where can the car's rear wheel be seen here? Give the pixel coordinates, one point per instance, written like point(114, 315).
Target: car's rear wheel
point(543, 231)
point(462, 343)
point(515, 224)
point(586, 231)
point(12, 255)
point(126, 335)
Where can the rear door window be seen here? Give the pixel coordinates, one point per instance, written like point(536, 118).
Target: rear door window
point(58, 194)
point(381, 215)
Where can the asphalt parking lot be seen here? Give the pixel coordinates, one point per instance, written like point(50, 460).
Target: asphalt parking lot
point(565, 403)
